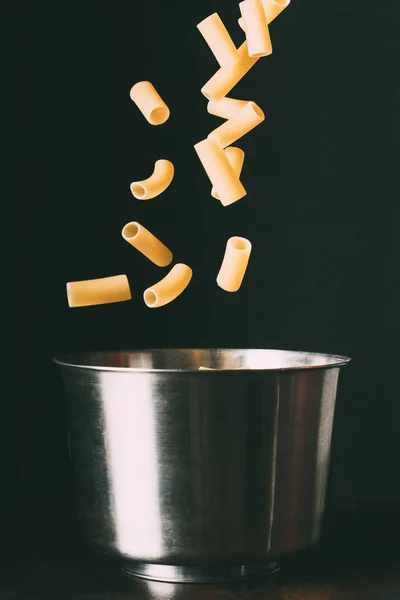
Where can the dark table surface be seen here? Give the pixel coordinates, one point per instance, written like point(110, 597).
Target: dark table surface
point(358, 558)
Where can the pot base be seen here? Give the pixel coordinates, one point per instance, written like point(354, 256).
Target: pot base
point(195, 574)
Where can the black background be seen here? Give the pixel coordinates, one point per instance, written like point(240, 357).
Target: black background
point(322, 212)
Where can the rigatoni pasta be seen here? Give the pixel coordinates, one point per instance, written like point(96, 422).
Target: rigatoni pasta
point(237, 126)
point(149, 102)
point(220, 171)
point(222, 162)
point(143, 240)
point(256, 28)
point(273, 8)
point(218, 39)
point(98, 291)
point(226, 107)
point(226, 78)
point(235, 157)
point(157, 183)
point(234, 264)
point(169, 288)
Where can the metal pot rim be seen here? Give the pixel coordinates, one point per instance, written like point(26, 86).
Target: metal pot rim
point(80, 360)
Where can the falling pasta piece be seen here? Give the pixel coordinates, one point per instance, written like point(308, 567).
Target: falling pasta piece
point(147, 243)
point(149, 102)
point(234, 264)
point(226, 107)
point(218, 39)
point(235, 157)
point(256, 28)
point(157, 183)
point(169, 288)
point(220, 171)
point(272, 8)
point(226, 78)
point(237, 126)
point(98, 291)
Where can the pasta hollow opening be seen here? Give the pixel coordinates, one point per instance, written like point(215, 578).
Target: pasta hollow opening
point(138, 190)
point(240, 244)
point(150, 297)
point(159, 115)
point(257, 110)
point(207, 95)
point(130, 230)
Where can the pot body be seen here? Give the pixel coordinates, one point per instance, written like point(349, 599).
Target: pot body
point(180, 466)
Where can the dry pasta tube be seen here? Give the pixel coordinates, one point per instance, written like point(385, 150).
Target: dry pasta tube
point(226, 107)
point(237, 126)
point(149, 102)
point(98, 291)
point(218, 39)
point(226, 78)
point(235, 263)
point(168, 288)
point(236, 159)
point(157, 183)
point(147, 243)
point(272, 8)
point(256, 28)
point(220, 171)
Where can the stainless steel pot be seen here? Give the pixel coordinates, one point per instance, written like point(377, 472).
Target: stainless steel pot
point(200, 475)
